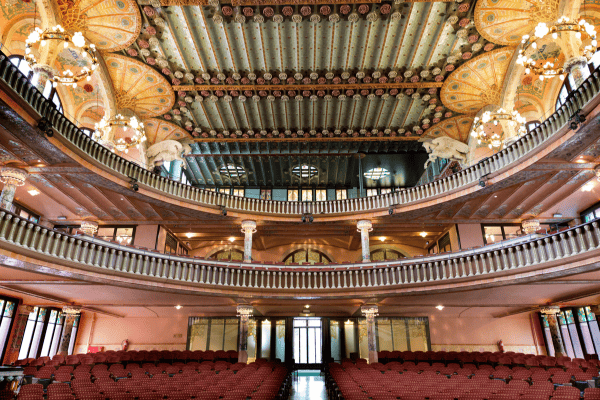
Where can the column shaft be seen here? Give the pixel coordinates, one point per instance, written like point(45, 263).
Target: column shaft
point(559, 346)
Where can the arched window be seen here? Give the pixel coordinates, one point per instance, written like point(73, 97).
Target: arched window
point(306, 256)
point(49, 91)
point(385, 254)
point(229, 255)
point(569, 84)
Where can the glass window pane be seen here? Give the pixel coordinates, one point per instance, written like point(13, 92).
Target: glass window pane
point(492, 234)
point(320, 194)
point(387, 190)
point(238, 192)
point(371, 192)
point(56, 338)
point(106, 233)
point(292, 195)
point(217, 329)
point(224, 190)
point(24, 351)
point(265, 348)
point(265, 194)
point(511, 232)
point(341, 194)
point(307, 195)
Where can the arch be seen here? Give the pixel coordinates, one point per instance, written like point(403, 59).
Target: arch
point(228, 254)
point(385, 253)
point(306, 255)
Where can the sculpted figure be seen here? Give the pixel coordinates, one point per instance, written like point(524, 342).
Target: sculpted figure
point(445, 147)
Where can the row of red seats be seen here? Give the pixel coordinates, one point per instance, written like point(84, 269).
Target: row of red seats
point(65, 373)
point(258, 381)
point(125, 356)
point(354, 383)
point(494, 358)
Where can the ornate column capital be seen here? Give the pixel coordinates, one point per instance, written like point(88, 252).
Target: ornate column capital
point(550, 310)
point(248, 226)
point(370, 311)
point(13, 176)
point(89, 227)
point(364, 224)
point(244, 312)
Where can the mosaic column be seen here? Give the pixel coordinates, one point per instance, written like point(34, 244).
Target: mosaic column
point(248, 228)
point(175, 172)
point(71, 321)
point(43, 73)
point(364, 227)
point(559, 346)
point(244, 312)
point(575, 66)
point(370, 312)
point(11, 177)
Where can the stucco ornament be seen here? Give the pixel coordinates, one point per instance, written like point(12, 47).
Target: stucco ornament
point(445, 147)
point(167, 150)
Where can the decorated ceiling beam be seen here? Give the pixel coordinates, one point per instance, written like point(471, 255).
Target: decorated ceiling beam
point(235, 3)
point(313, 139)
point(357, 86)
point(275, 155)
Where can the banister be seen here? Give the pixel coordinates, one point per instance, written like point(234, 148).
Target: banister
point(16, 81)
point(20, 235)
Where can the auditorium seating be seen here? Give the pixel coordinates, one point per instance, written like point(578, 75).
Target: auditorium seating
point(153, 375)
point(463, 376)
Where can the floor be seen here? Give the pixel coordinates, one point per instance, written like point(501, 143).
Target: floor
point(309, 385)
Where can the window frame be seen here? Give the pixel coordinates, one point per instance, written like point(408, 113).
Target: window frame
point(17, 208)
point(305, 250)
point(114, 236)
point(16, 303)
point(483, 226)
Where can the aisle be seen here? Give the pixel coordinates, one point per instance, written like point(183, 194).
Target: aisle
point(309, 386)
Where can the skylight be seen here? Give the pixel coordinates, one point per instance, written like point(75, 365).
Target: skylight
point(305, 171)
point(232, 170)
point(376, 173)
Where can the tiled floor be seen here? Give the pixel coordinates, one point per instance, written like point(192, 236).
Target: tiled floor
point(309, 388)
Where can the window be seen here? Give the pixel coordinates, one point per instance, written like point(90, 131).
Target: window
point(531, 125)
point(385, 254)
point(232, 170)
point(33, 333)
point(87, 131)
point(444, 243)
point(24, 213)
point(210, 189)
point(224, 190)
point(122, 234)
point(183, 178)
point(49, 91)
point(7, 312)
point(265, 194)
point(183, 251)
point(170, 244)
point(591, 213)
point(307, 195)
point(305, 171)
point(569, 84)
point(385, 190)
point(238, 192)
point(53, 334)
point(73, 335)
point(341, 194)
point(213, 334)
point(292, 195)
point(498, 232)
point(321, 195)
point(376, 173)
point(371, 192)
point(229, 255)
point(167, 167)
point(306, 256)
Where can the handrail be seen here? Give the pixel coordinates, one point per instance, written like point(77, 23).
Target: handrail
point(119, 166)
point(22, 236)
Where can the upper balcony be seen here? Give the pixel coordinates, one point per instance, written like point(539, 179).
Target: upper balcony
point(507, 165)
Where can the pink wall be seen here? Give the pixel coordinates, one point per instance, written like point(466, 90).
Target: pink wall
point(482, 334)
point(470, 235)
point(145, 236)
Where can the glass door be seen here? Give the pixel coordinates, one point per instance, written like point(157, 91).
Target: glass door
point(308, 340)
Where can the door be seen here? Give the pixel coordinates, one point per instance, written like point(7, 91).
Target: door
point(308, 341)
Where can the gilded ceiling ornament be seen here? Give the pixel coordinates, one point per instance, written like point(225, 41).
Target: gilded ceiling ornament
point(396, 16)
point(158, 21)
point(145, 52)
point(242, 98)
point(334, 17)
point(372, 16)
point(408, 73)
point(314, 76)
point(256, 98)
point(221, 76)
point(206, 76)
point(278, 18)
point(153, 41)
point(239, 18)
point(199, 98)
point(163, 63)
point(462, 33)
point(299, 98)
point(476, 47)
point(315, 18)
point(259, 19)
point(178, 74)
point(425, 73)
point(353, 17)
point(178, 117)
point(213, 98)
point(356, 97)
point(297, 18)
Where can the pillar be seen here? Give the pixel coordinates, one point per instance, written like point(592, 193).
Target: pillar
point(244, 312)
point(364, 227)
point(43, 73)
point(575, 66)
point(11, 177)
point(175, 172)
point(248, 228)
point(370, 311)
point(550, 313)
point(71, 321)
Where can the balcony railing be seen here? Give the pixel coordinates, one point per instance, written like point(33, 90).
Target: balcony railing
point(96, 256)
point(125, 169)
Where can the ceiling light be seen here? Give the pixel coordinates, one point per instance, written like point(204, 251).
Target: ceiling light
point(440, 307)
point(178, 306)
point(423, 234)
point(33, 192)
point(61, 217)
point(189, 234)
point(587, 187)
point(307, 306)
point(382, 238)
point(557, 215)
point(376, 173)
point(232, 239)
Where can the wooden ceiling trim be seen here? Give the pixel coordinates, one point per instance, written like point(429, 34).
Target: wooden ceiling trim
point(312, 87)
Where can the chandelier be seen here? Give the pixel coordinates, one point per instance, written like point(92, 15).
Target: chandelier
point(13, 176)
point(76, 41)
point(582, 30)
point(132, 132)
point(494, 140)
point(89, 227)
point(530, 226)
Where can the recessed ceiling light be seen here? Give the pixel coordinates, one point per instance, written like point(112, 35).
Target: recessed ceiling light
point(189, 234)
point(307, 306)
point(178, 306)
point(423, 234)
point(33, 192)
point(440, 307)
point(232, 239)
